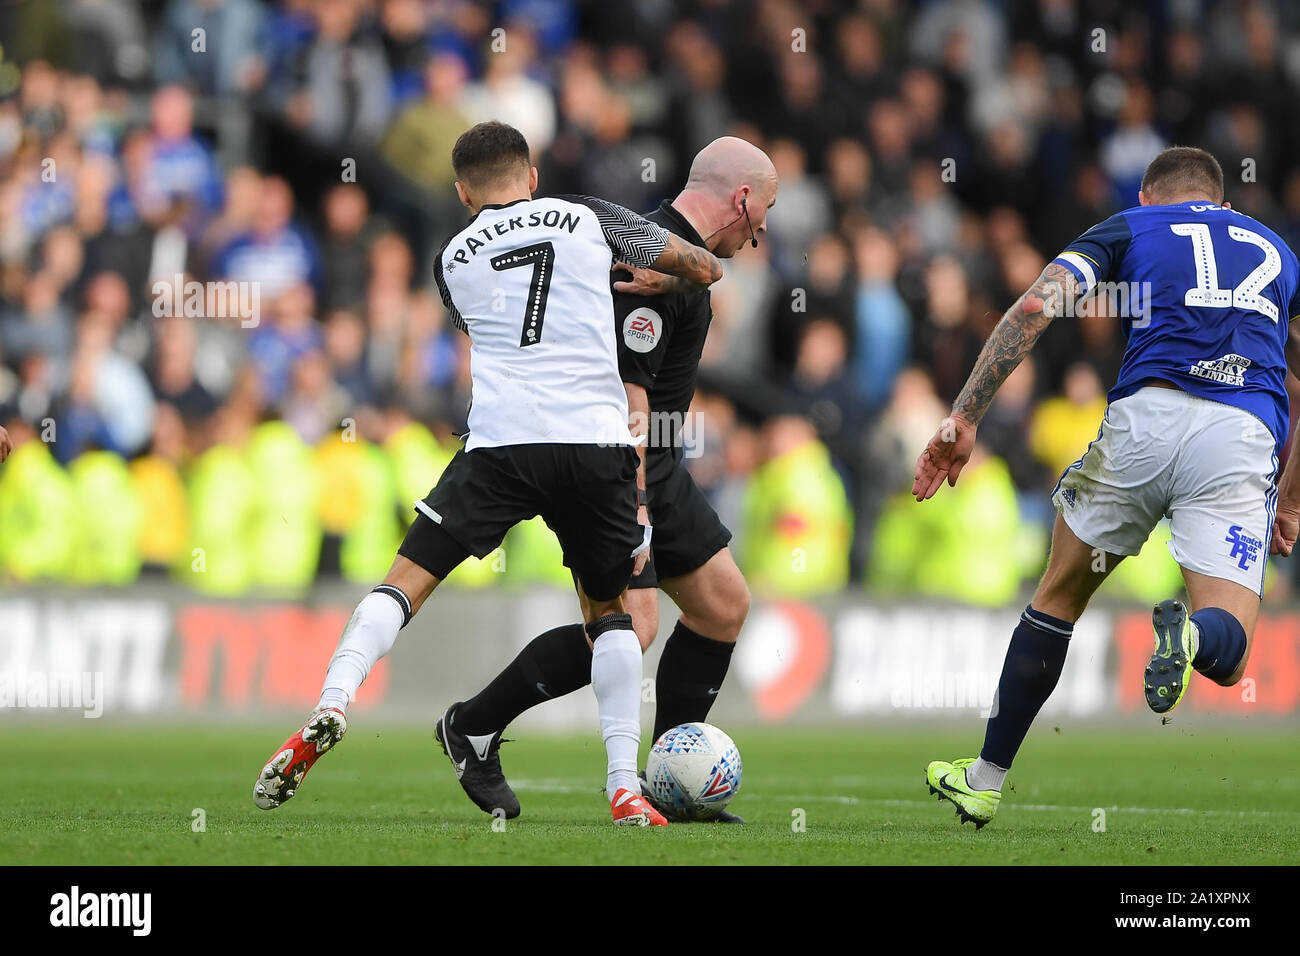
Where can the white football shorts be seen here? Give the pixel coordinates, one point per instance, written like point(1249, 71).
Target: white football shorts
point(1208, 467)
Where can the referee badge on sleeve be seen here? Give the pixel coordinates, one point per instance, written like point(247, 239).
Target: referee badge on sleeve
point(641, 329)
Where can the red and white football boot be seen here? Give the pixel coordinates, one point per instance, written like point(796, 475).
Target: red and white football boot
point(631, 810)
point(283, 774)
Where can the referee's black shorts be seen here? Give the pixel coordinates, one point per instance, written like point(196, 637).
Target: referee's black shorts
point(687, 531)
point(585, 493)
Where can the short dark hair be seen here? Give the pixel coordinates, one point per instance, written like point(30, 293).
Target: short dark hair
point(1183, 169)
point(489, 152)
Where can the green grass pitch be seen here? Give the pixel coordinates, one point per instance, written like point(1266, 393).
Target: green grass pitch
point(117, 794)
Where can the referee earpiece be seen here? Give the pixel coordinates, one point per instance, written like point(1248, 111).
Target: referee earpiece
point(744, 207)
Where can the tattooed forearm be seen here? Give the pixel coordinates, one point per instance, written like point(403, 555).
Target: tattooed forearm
point(690, 262)
point(1012, 339)
point(676, 285)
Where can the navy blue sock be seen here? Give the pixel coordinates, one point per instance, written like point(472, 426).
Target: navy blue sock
point(1033, 665)
point(1222, 645)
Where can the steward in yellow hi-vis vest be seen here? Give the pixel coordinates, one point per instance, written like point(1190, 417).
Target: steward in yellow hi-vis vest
point(223, 511)
point(287, 531)
point(419, 460)
point(963, 549)
point(38, 506)
point(111, 513)
point(797, 517)
point(357, 495)
point(166, 528)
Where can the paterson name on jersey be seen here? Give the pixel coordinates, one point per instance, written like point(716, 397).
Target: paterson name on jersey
point(1219, 291)
point(529, 282)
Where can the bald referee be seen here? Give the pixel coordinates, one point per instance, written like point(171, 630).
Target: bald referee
point(661, 327)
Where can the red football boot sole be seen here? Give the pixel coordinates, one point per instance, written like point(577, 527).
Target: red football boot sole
point(284, 773)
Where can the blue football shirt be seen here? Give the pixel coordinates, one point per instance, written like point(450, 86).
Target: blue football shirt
point(1210, 297)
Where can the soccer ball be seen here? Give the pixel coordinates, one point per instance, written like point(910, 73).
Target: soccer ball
point(693, 772)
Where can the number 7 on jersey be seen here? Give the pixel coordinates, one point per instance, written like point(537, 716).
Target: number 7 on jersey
point(541, 258)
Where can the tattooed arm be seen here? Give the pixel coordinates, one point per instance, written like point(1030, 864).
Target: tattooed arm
point(1010, 342)
point(1012, 339)
point(697, 266)
point(642, 244)
point(648, 283)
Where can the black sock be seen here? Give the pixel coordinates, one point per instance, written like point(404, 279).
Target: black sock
point(552, 665)
point(1029, 674)
point(691, 672)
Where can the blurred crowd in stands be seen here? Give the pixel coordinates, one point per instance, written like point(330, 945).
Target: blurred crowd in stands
point(933, 156)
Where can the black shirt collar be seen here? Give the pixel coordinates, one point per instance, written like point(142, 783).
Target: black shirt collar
point(682, 224)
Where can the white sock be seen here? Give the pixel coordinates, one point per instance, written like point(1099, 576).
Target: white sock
point(982, 775)
point(369, 635)
point(616, 679)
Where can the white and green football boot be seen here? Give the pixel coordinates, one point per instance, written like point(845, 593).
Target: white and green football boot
point(948, 780)
point(1170, 671)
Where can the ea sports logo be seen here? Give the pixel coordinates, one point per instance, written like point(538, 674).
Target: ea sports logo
point(641, 329)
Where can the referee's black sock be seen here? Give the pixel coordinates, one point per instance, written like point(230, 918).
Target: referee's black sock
point(1029, 675)
point(691, 671)
point(552, 665)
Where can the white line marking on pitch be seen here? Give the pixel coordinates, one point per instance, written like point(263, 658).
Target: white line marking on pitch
point(563, 785)
point(1041, 807)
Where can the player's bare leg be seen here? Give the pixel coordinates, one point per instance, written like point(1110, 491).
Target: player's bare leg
point(1032, 667)
point(714, 598)
point(369, 635)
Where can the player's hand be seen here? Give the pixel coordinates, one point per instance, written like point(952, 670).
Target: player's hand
point(944, 457)
point(6, 444)
point(642, 559)
point(646, 282)
point(1286, 527)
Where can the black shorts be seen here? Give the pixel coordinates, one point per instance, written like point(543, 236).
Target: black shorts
point(585, 493)
point(687, 531)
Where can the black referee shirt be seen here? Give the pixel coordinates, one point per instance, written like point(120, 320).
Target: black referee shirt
point(660, 340)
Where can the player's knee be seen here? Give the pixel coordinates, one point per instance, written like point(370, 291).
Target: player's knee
point(729, 612)
point(739, 610)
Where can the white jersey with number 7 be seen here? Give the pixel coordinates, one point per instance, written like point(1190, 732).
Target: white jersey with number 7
point(530, 282)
